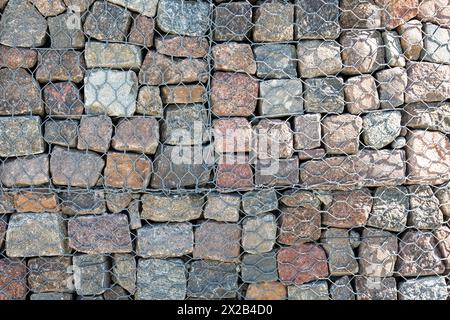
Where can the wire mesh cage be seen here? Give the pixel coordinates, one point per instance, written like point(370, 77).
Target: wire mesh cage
point(172, 149)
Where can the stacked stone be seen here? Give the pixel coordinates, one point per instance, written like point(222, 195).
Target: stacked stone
point(317, 166)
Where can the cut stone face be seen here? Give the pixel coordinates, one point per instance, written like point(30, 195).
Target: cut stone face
point(307, 131)
point(259, 233)
point(424, 211)
point(390, 209)
point(362, 51)
point(165, 240)
point(20, 136)
point(110, 92)
point(442, 235)
point(217, 241)
point(193, 17)
point(124, 271)
point(60, 65)
point(381, 128)
point(112, 55)
point(49, 7)
point(63, 34)
point(233, 56)
point(257, 202)
point(411, 39)
point(275, 61)
point(91, 274)
point(137, 134)
point(232, 135)
point(106, 21)
point(317, 19)
point(82, 202)
point(374, 288)
point(142, 31)
point(311, 291)
point(131, 171)
point(50, 274)
point(75, 168)
point(348, 209)
point(234, 172)
point(183, 94)
point(26, 171)
point(435, 11)
point(233, 94)
point(341, 289)
point(145, 7)
point(212, 280)
point(78, 5)
point(299, 225)
point(280, 97)
point(428, 157)
point(259, 267)
point(318, 58)
point(13, 279)
point(418, 255)
point(23, 93)
point(36, 201)
point(361, 94)
point(63, 133)
point(341, 133)
point(3, 226)
point(160, 279)
point(324, 95)
point(232, 21)
point(393, 49)
point(273, 139)
point(426, 288)
point(185, 125)
point(341, 258)
point(36, 234)
point(266, 291)
point(273, 22)
point(300, 198)
point(432, 116)
point(222, 207)
point(277, 172)
point(149, 102)
point(396, 13)
point(95, 133)
point(117, 202)
point(392, 85)
point(182, 46)
point(157, 207)
point(107, 233)
point(443, 194)
point(15, 58)
point(62, 99)
point(22, 25)
point(356, 14)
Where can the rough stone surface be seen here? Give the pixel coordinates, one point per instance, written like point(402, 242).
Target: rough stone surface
point(316, 19)
point(14, 58)
point(299, 225)
point(182, 46)
point(212, 280)
point(300, 198)
point(139, 134)
point(48, 296)
point(362, 51)
point(78, 5)
point(25, 171)
point(112, 55)
point(442, 235)
point(222, 207)
point(49, 7)
point(50, 274)
point(232, 135)
point(311, 291)
point(273, 139)
point(60, 65)
point(307, 131)
point(427, 82)
point(359, 15)
point(217, 241)
point(273, 22)
point(259, 267)
point(172, 162)
point(391, 87)
point(277, 172)
point(22, 25)
point(424, 212)
point(48, 230)
point(82, 202)
point(62, 132)
point(130, 171)
point(234, 56)
point(36, 201)
point(341, 289)
point(280, 97)
point(91, 274)
point(193, 17)
point(396, 13)
point(393, 49)
point(390, 209)
point(233, 94)
point(75, 168)
point(62, 99)
point(341, 258)
point(232, 21)
point(185, 125)
point(377, 253)
point(259, 233)
point(257, 202)
point(142, 31)
point(165, 240)
point(435, 11)
point(184, 94)
point(117, 202)
point(6, 202)
point(110, 92)
point(160, 279)
point(411, 39)
point(106, 21)
point(145, 7)
point(426, 288)
point(266, 291)
point(324, 95)
point(108, 233)
point(21, 136)
point(361, 94)
point(341, 133)
point(428, 157)
point(418, 255)
point(373, 288)
point(302, 263)
point(381, 128)
point(149, 102)
point(158, 69)
point(275, 61)
point(443, 194)
point(63, 34)
point(177, 208)
point(234, 172)
point(319, 58)
point(432, 116)
point(367, 168)
point(124, 271)
point(95, 133)
point(13, 279)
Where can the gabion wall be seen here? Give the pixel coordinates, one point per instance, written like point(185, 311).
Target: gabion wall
point(179, 149)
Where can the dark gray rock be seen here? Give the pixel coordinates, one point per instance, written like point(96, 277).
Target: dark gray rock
point(124, 271)
point(256, 202)
point(26, 171)
point(341, 258)
point(176, 208)
point(47, 296)
point(63, 33)
point(232, 21)
point(310, 291)
point(275, 61)
point(91, 274)
point(341, 289)
point(61, 132)
point(50, 274)
point(79, 202)
point(20, 136)
point(259, 267)
point(324, 95)
point(222, 207)
point(317, 19)
point(280, 97)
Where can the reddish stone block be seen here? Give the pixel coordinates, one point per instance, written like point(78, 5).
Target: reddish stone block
point(234, 172)
point(127, 170)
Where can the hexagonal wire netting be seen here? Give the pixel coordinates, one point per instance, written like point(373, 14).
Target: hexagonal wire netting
point(171, 149)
